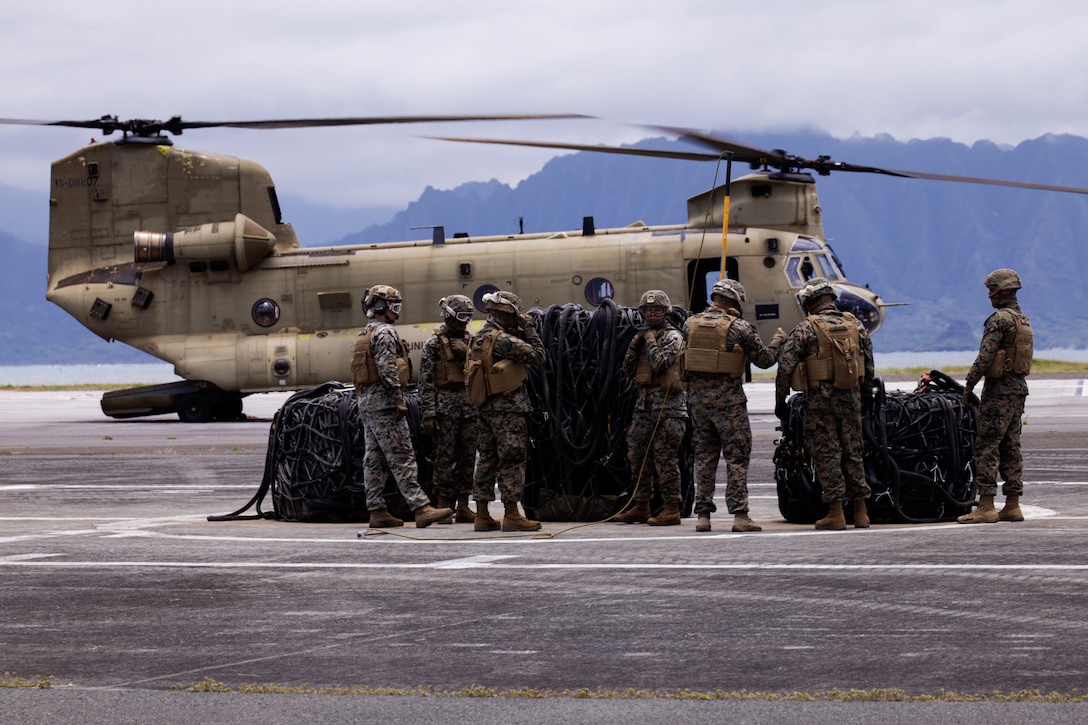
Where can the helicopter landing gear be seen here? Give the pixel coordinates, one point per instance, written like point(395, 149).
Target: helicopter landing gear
point(205, 405)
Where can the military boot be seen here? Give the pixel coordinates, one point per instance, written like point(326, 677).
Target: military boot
point(984, 513)
point(861, 514)
point(1011, 510)
point(482, 521)
point(427, 515)
point(514, 521)
point(637, 514)
point(463, 514)
point(441, 503)
point(669, 516)
point(743, 522)
point(382, 519)
point(835, 519)
point(703, 524)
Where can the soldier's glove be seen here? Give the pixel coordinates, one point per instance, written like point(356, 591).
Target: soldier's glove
point(401, 406)
point(525, 321)
point(968, 397)
point(429, 426)
point(782, 410)
point(779, 337)
point(459, 346)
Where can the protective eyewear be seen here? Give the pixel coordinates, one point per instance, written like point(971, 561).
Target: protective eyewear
point(394, 307)
point(465, 317)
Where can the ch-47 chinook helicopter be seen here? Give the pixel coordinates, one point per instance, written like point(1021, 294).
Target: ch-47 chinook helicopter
point(185, 255)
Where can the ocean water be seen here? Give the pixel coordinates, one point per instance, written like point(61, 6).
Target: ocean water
point(149, 374)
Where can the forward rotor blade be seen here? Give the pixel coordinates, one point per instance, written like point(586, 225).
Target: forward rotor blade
point(621, 150)
point(741, 152)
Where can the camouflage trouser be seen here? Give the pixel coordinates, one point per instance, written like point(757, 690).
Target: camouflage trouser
point(503, 446)
point(655, 455)
point(719, 430)
point(833, 437)
point(389, 449)
point(455, 451)
point(997, 447)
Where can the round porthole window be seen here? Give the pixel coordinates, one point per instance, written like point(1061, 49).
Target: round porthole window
point(266, 312)
point(478, 297)
point(598, 290)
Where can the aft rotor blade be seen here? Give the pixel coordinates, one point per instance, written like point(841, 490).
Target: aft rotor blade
point(109, 124)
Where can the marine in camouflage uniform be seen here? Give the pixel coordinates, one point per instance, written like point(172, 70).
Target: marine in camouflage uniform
point(832, 415)
point(383, 410)
point(504, 430)
point(447, 415)
point(660, 415)
point(719, 408)
point(997, 446)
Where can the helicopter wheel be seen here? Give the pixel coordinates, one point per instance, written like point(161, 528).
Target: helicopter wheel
point(195, 408)
point(228, 407)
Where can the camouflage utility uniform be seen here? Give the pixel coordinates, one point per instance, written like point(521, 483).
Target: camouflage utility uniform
point(659, 419)
point(388, 441)
point(832, 416)
point(719, 416)
point(456, 419)
point(504, 432)
point(997, 449)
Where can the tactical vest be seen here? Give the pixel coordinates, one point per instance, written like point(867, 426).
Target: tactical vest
point(671, 380)
point(707, 348)
point(485, 376)
point(449, 368)
point(364, 370)
point(837, 358)
point(1016, 358)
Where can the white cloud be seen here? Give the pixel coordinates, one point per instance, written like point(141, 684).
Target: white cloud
point(973, 69)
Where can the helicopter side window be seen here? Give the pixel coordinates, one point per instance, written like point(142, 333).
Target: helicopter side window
point(598, 290)
point(478, 296)
point(266, 312)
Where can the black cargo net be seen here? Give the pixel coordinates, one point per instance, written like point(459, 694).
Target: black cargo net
point(918, 449)
point(313, 468)
point(583, 403)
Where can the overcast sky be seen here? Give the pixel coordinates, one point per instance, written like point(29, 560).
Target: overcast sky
point(962, 69)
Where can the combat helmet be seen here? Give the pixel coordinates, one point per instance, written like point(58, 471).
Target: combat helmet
point(811, 293)
point(457, 307)
point(655, 298)
point(1002, 280)
point(502, 301)
point(382, 297)
point(729, 289)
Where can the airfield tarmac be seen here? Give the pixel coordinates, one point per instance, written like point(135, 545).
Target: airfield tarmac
point(116, 586)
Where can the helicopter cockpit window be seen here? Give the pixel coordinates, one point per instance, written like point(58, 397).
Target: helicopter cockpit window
point(598, 290)
point(803, 267)
point(266, 312)
point(806, 244)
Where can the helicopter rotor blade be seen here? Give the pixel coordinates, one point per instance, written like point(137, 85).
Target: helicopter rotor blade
point(146, 127)
point(622, 150)
point(824, 165)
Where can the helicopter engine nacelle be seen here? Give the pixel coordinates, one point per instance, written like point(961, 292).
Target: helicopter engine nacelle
point(243, 240)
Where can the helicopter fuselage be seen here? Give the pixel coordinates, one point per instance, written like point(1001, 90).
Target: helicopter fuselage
point(184, 255)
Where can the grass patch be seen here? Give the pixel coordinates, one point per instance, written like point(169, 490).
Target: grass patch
point(10, 679)
point(835, 695)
